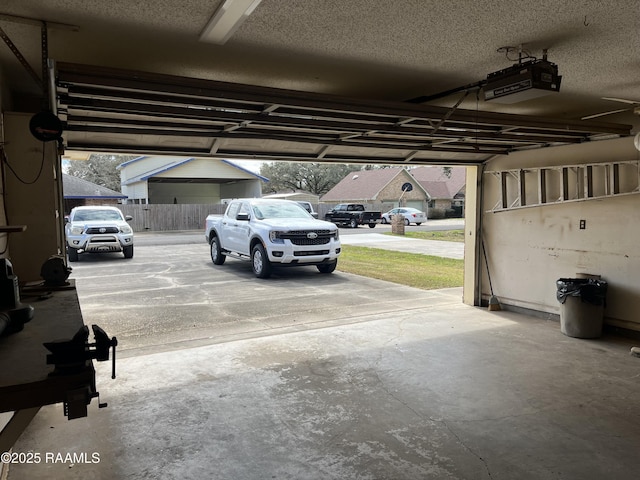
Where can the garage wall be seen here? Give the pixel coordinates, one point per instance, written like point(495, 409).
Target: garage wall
point(529, 249)
point(4, 238)
point(136, 191)
point(184, 193)
point(197, 193)
point(241, 189)
point(32, 198)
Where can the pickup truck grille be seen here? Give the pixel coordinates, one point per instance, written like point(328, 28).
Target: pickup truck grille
point(302, 237)
point(96, 230)
point(311, 253)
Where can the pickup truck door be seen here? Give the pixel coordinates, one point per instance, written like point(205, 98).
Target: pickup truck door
point(340, 213)
point(228, 232)
point(353, 211)
point(242, 230)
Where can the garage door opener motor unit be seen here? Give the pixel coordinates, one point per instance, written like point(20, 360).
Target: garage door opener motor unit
point(522, 81)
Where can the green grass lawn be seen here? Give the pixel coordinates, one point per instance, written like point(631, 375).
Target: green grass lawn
point(412, 269)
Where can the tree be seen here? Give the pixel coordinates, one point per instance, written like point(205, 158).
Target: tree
point(317, 178)
point(100, 169)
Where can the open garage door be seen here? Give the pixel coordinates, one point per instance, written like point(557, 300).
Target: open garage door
point(135, 112)
point(124, 111)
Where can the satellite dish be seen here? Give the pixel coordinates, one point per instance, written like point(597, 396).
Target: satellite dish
point(45, 126)
point(407, 187)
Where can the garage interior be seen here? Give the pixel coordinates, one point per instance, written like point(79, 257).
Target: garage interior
point(552, 183)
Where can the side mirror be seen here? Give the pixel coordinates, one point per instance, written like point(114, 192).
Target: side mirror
point(66, 219)
point(128, 218)
point(243, 217)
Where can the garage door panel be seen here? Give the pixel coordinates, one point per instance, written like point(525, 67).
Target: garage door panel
point(139, 112)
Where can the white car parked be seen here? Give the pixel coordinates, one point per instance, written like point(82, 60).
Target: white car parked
point(411, 215)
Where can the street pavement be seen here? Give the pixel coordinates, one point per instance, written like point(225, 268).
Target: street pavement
point(436, 248)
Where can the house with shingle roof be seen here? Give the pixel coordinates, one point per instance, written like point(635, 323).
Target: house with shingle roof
point(446, 188)
point(380, 189)
point(78, 191)
point(431, 189)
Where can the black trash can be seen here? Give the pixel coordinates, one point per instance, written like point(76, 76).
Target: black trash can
point(582, 306)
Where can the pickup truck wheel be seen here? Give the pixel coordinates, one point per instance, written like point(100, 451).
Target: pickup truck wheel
point(260, 262)
point(216, 254)
point(73, 254)
point(372, 225)
point(353, 223)
point(128, 251)
point(327, 267)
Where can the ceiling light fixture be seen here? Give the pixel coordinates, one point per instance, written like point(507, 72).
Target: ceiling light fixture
point(226, 20)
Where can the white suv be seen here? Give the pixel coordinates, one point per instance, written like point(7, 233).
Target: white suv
point(97, 230)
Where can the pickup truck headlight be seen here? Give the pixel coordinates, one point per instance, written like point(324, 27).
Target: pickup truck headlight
point(77, 230)
point(125, 229)
point(274, 236)
point(336, 234)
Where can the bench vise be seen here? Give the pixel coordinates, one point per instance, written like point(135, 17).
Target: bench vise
point(70, 357)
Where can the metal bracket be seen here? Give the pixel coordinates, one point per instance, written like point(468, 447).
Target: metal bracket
point(21, 58)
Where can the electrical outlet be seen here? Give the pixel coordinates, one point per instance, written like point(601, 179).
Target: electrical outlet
point(583, 224)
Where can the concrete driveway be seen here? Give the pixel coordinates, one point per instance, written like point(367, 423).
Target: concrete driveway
point(307, 376)
point(171, 296)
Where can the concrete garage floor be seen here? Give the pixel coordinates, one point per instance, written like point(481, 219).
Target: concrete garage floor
point(437, 390)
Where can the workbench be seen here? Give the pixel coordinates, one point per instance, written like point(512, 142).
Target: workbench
point(26, 383)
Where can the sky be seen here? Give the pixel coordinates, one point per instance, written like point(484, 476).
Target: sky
point(252, 165)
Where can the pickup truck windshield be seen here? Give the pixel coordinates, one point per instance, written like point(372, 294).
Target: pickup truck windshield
point(279, 210)
point(85, 215)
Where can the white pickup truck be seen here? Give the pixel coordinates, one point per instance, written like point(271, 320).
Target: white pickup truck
point(270, 233)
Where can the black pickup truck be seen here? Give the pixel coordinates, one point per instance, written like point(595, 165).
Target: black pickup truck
point(352, 214)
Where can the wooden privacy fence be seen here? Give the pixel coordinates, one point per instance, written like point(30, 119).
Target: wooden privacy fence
point(160, 217)
point(167, 217)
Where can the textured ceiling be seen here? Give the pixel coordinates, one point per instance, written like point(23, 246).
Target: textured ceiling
point(364, 49)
